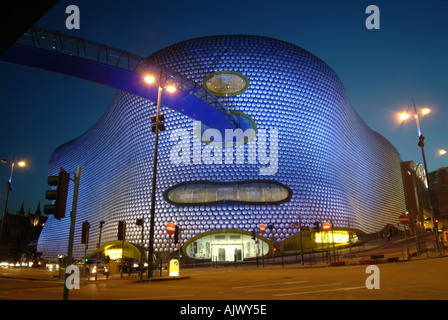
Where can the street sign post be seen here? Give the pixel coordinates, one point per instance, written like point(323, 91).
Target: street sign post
point(174, 268)
point(262, 228)
point(326, 226)
point(170, 228)
point(404, 220)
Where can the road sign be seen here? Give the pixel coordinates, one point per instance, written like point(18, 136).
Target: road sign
point(170, 228)
point(262, 228)
point(404, 219)
point(326, 226)
point(174, 268)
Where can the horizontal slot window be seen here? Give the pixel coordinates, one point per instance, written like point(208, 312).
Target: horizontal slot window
point(245, 192)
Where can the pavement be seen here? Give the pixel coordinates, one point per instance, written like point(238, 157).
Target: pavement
point(372, 252)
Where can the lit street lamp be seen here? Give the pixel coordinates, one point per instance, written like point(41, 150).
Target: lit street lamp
point(8, 189)
point(170, 88)
point(421, 144)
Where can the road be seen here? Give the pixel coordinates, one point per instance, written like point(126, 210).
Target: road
point(409, 280)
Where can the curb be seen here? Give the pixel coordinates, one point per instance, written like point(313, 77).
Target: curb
point(164, 279)
point(364, 262)
point(31, 279)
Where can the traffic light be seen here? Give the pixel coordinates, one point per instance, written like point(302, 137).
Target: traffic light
point(317, 226)
point(176, 235)
point(254, 235)
point(85, 232)
point(59, 195)
point(121, 230)
point(161, 123)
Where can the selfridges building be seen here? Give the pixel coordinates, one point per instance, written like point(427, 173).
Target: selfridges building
point(303, 150)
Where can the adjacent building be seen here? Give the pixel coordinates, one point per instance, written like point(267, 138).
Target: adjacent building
point(417, 196)
point(439, 194)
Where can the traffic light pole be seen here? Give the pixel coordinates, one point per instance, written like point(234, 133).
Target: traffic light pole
point(8, 189)
point(72, 227)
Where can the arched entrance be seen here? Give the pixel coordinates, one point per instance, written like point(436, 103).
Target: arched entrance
point(226, 245)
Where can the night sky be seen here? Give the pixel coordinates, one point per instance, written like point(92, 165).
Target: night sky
point(382, 70)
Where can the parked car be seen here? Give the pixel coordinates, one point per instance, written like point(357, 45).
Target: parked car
point(130, 265)
point(91, 266)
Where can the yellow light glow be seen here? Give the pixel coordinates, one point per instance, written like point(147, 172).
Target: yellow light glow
point(171, 88)
point(426, 110)
point(337, 236)
point(403, 116)
point(174, 268)
point(442, 152)
point(21, 163)
point(149, 79)
point(113, 254)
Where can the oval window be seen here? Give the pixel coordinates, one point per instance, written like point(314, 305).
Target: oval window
point(226, 83)
point(195, 193)
point(244, 121)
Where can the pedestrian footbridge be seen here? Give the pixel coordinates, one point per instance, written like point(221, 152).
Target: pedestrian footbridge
point(62, 53)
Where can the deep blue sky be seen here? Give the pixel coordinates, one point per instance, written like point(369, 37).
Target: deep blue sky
point(382, 70)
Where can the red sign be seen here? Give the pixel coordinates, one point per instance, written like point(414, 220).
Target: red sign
point(404, 219)
point(262, 228)
point(170, 228)
point(326, 226)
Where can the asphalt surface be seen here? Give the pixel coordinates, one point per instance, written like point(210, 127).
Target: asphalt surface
point(345, 278)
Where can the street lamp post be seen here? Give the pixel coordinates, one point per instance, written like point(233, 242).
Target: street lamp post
point(8, 189)
point(421, 144)
point(150, 79)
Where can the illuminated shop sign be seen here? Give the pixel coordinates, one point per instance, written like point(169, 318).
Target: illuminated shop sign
point(337, 236)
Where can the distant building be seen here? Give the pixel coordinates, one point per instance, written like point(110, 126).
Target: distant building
point(417, 198)
point(439, 193)
point(20, 234)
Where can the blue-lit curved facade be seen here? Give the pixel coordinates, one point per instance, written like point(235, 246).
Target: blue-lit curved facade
point(310, 153)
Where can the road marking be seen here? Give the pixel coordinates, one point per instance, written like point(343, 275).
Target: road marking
point(269, 284)
point(296, 288)
point(318, 291)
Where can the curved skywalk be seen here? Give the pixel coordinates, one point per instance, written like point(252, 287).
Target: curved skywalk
point(62, 53)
